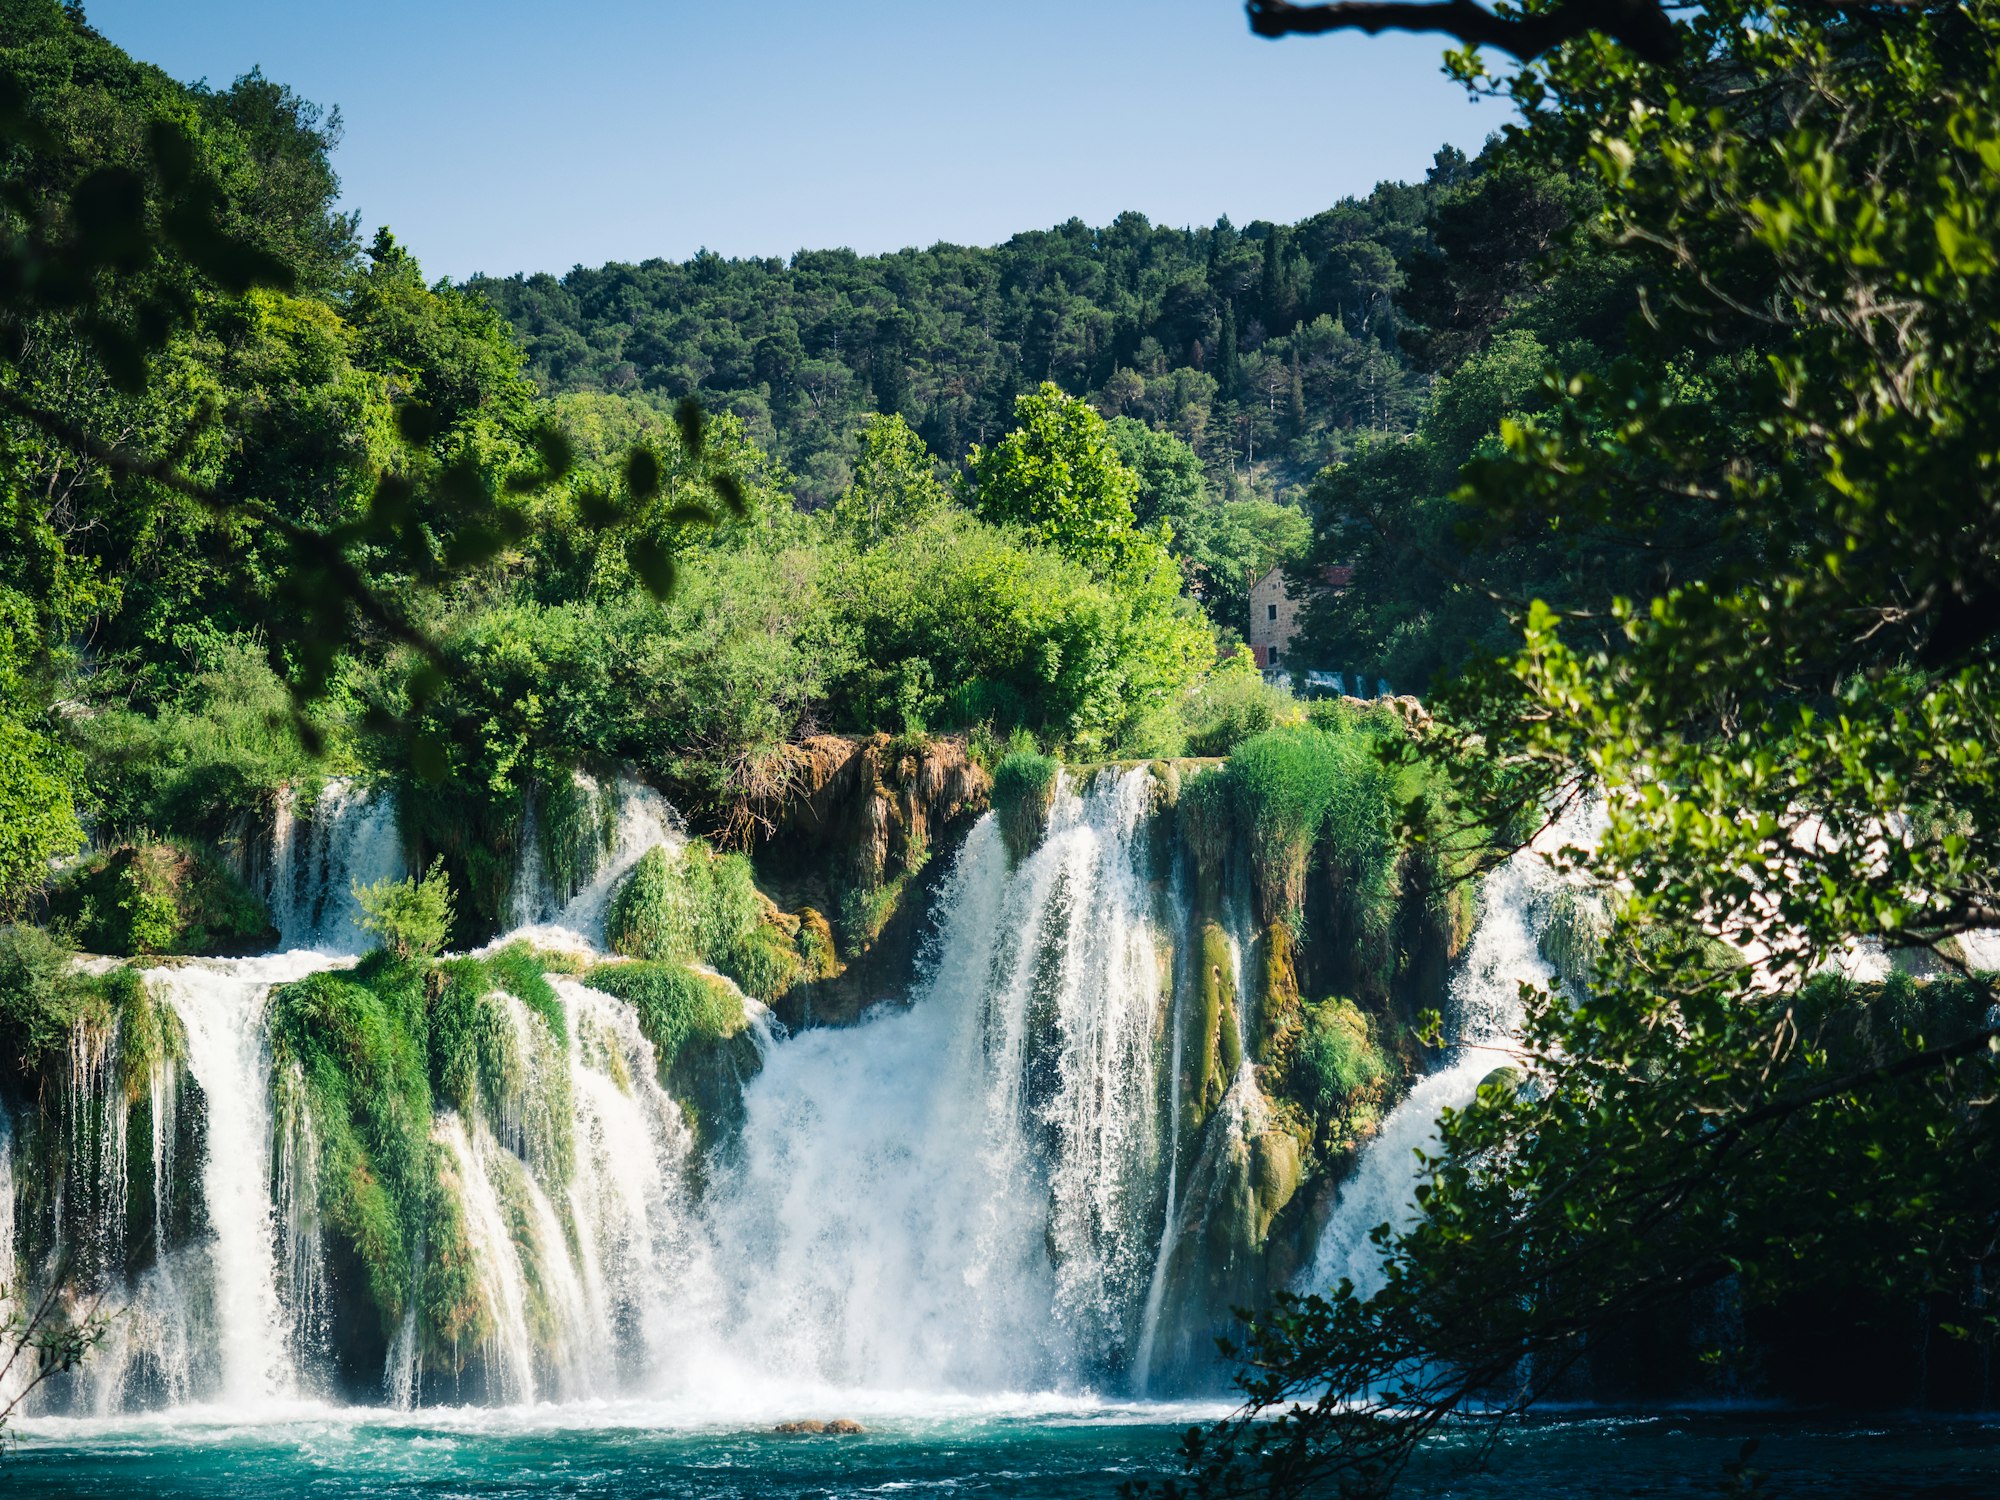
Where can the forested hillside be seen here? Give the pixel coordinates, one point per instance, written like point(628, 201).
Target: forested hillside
point(1267, 349)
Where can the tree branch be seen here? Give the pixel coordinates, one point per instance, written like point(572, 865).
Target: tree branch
point(1640, 25)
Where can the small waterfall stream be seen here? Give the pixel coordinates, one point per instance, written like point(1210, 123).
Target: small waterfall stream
point(320, 851)
point(1484, 1016)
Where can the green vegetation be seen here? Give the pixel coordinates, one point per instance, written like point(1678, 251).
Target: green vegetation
point(1024, 789)
point(698, 906)
point(1262, 353)
point(411, 917)
point(41, 996)
point(158, 898)
point(348, 1051)
point(700, 1035)
point(1703, 501)
point(363, 1057)
point(1337, 1072)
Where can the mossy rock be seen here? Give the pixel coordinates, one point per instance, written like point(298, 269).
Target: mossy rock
point(1212, 1052)
point(818, 953)
point(1276, 1169)
point(348, 1050)
point(698, 906)
point(1336, 1074)
point(1572, 935)
point(1024, 793)
point(700, 1035)
point(1278, 995)
point(167, 898)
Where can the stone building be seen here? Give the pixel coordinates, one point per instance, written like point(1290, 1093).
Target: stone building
point(1274, 615)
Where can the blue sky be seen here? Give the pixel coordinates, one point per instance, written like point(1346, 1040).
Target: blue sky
point(504, 136)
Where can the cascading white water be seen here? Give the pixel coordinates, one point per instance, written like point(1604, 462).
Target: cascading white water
point(975, 1192)
point(14, 1371)
point(221, 1007)
point(347, 836)
point(645, 1272)
point(643, 821)
point(962, 1193)
point(1484, 1015)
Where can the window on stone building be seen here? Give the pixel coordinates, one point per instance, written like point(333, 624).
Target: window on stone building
point(1270, 611)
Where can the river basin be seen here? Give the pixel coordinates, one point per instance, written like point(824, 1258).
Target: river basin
point(1002, 1447)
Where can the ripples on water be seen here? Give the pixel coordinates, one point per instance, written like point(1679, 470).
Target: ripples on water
point(986, 1449)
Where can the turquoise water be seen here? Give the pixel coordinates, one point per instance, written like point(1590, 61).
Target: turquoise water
point(616, 1451)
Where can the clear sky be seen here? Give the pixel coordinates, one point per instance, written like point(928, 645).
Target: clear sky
point(508, 135)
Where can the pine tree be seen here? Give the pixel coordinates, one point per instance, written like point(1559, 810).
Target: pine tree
point(1273, 290)
point(1227, 369)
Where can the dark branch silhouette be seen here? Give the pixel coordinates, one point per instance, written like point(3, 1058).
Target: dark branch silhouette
point(1640, 25)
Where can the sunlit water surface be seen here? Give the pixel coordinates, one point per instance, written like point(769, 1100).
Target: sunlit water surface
point(985, 1448)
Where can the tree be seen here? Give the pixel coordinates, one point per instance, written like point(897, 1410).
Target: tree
point(895, 486)
point(1058, 476)
point(1791, 738)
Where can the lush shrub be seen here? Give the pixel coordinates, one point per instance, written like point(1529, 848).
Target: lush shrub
point(960, 623)
point(412, 917)
point(194, 766)
point(1024, 790)
point(159, 898)
point(1306, 791)
point(1335, 1066)
point(1234, 704)
point(697, 906)
point(42, 996)
point(37, 816)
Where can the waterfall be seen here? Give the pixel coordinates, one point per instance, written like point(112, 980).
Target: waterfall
point(643, 1267)
point(1484, 1014)
point(545, 911)
point(988, 1188)
point(14, 1373)
point(221, 1008)
point(346, 836)
point(963, 1193)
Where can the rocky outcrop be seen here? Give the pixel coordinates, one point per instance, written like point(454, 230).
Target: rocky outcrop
point(850, 840)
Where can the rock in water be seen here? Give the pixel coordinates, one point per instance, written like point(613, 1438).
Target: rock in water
point(839, 1427)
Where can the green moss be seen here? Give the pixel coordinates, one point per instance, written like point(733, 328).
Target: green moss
point(817, 952)
point(1275, 1171)
point(579, 822)
point(700, 1036)
point(159, 898)
point(149, 1034)
point(489, 1068)
point(1212, 1051)
point(453, 1318)
point(521, 971)
point(1572, 939)
point(698, 906)
point(676, 1005)
point(1278, 997)
point(1336, 1073)
point(1024, 790)
point(865, 911)
point(352, 1043)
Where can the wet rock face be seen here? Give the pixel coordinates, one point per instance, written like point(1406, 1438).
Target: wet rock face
point(866, 805)
point(853, 829)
